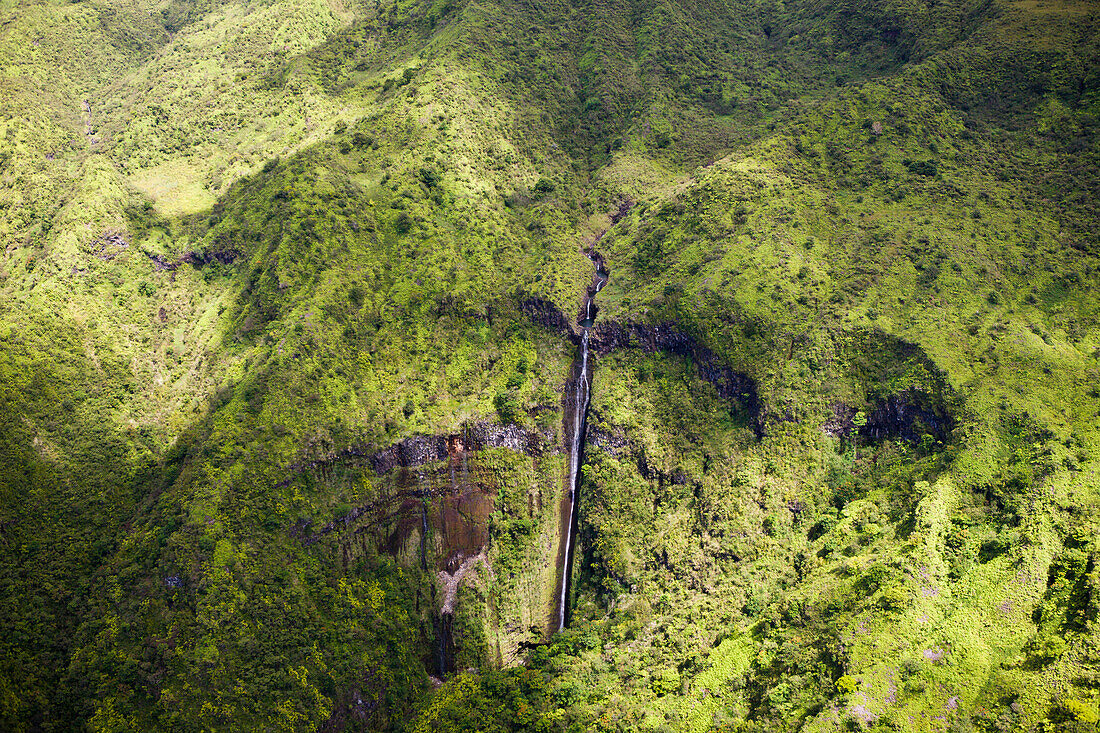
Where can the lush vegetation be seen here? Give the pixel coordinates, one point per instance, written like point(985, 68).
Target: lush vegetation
point(283, 368)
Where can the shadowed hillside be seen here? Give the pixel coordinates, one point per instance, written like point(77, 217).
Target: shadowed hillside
point(290, 350)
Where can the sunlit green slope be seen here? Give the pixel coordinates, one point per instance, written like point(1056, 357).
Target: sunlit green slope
point(250, 246)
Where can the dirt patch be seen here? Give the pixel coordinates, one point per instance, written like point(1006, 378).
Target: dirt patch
point(452, 580)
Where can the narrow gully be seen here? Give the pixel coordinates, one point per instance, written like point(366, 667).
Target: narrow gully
point(581, 396)
point(445, 645)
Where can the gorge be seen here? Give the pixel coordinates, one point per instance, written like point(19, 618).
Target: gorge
point(575, 426)
point(321, 411)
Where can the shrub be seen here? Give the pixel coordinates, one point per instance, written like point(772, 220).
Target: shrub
point(544, 187)
point(1079, 711)
point(927, 168)
point(666, 681)
point(1045, 648)
point(430, 177)
point(893, 599)
point(508, 406)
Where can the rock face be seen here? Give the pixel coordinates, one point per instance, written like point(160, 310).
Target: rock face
point(414, 451)
point(613, 444)
point(545, 314)
point(513, 437)
point(433, 504)
point(450, 482)
point(908, 415)
point(909, 396)
point(420, 450)
point(734, 387)
point(608, 337)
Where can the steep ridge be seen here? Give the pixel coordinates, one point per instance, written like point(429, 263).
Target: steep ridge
point(846, 398)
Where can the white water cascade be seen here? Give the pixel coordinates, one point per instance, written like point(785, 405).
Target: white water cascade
point(581, 395)
point(580, 405)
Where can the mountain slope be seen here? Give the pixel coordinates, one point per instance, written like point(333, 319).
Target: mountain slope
point(289, 317)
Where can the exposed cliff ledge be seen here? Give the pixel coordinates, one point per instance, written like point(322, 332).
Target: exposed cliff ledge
point(734, 387)
point(908, 395)
point(612, 441)
point(466, 495)
point(546, 315)
point(908, 415)
point(419, 450)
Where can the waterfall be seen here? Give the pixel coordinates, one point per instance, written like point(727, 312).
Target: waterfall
point(444, 651)
point(423, 534)
point(581, 396)
point(580, 406)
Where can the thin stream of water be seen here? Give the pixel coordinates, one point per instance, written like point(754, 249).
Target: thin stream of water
point(580, 404)
point(580, 408)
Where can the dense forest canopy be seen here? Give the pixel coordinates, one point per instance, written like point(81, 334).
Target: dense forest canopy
point(315, 313)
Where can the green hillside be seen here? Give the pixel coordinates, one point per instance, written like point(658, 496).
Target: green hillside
point(291, 303)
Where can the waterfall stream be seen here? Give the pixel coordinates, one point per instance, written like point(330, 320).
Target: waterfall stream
point(580, 406)
point(444, 652)
point(581, 396)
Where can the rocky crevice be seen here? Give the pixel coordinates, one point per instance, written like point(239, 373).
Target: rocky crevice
point(907, 415)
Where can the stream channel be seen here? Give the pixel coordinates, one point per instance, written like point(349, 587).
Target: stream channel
point(573, 419)
point(582, 391)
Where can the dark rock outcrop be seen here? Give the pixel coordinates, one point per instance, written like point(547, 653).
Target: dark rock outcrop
point(414, 451)
point(545, 314)
point(840, 422)
point(160, 263)
point(908, 415)
point(420, 450)
point(480, 436)
point(910, 396)
point(109, 246)
point(611, 442)
point(734, 387)
point(226, 256)
point(620, 212)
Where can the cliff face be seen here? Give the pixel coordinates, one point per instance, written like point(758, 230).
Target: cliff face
point(454, 507)
point(292, 295)
point(546, 315)
point(435, 501)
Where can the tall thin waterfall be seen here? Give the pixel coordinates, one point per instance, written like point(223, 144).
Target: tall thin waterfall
point(580, 405)
point(581, 396)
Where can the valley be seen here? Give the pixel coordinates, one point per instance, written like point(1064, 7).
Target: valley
point(424, 365)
